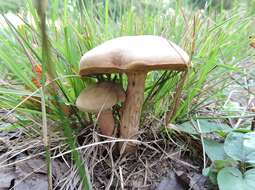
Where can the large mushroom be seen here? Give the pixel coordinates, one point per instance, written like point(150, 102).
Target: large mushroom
point(135, 56)
point(100, 98)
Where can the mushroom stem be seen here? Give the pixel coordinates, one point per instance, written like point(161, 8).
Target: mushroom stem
point(106, 122)
point(132, 109)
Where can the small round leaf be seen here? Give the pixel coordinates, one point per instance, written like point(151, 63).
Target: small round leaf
point(231, 178)
point(240, 146)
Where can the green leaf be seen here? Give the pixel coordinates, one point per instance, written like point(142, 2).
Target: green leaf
point(211, 173)
point(232, 106)
point(206, 171)
point(7, 127)
point(202, 126)
point(17, 92)
point(231, 178)
point(219, 164)
point(241, 146)
point(214, 150)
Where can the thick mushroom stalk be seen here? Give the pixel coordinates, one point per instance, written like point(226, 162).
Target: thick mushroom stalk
point(106, 123)
point(132, 109)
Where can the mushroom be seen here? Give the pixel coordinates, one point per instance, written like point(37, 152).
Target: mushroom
point(100, 98)
point(135, 56)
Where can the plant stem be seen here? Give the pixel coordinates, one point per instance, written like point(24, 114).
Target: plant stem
point(45, 137)
point(45, 61)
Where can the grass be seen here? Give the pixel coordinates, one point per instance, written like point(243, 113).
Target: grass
point(216, 40)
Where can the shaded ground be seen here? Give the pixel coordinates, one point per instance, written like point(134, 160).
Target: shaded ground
point(159, 163)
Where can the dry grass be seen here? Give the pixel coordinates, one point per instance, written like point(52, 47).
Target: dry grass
point(155, 158)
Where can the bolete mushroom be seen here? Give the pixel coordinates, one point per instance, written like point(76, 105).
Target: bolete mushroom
point(100, 98)
point(135, 56)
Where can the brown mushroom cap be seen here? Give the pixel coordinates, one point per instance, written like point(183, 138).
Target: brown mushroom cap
point(133, 53)
point(100, 97)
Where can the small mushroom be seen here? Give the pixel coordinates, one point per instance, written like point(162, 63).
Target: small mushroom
point(100, 98)
point(135, 56)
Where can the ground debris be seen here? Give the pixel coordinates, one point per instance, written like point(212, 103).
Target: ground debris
point(171, 181)
point(171, 166)
point(30, 174)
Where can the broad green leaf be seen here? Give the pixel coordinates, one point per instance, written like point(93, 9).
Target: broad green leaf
point(214, 150)
point(231, 178)
point(202, 126)
point(217, 166)
point(240, 146)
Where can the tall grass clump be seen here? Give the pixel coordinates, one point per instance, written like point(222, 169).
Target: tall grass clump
point(216, 40)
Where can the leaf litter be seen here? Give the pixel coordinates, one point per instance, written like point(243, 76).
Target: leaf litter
point(157, 163)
